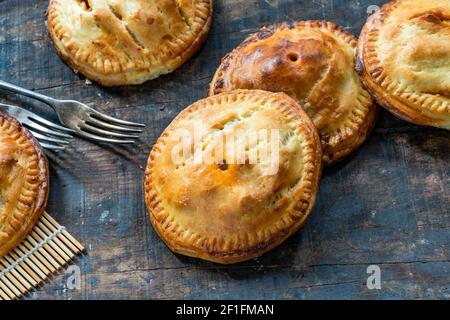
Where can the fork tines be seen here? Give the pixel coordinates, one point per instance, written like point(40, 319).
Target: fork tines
point(101, 127)
point(81, 119)
point(51, 136)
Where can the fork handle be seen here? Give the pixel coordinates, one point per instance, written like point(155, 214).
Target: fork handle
point(31, 94)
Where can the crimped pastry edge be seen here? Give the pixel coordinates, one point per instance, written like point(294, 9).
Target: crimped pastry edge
point(28, 219)
point(120, 78)
point(387, 92)
point(197, 246)
point(362, 133)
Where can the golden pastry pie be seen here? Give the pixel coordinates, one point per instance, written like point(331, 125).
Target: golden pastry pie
point(312, 62)
point(120, 42)
point(404, 60)
point(246, 180)
point(24, 183)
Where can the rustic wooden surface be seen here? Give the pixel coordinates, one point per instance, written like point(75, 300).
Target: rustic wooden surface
point(388, 204)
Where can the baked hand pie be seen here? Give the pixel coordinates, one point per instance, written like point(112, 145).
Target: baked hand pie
point(121, 42)
point(312, 62)
point(404, 60)
point(24, 183)
point(246, 180)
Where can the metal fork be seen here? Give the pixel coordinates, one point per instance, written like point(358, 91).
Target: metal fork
point(83, 120)
point(51, 136)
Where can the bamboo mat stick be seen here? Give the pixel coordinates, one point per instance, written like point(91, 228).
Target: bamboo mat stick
point(47, 249)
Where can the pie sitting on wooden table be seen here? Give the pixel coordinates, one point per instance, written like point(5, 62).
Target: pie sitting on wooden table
point(24, 183)
point(215, 203)
point(404, 60)
point(314, 63)
point(120, 42)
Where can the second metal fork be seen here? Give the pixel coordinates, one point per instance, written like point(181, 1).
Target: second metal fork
point(51, 136)
point(83, 120)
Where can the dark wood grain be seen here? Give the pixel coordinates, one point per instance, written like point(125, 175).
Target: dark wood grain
point(388, 204)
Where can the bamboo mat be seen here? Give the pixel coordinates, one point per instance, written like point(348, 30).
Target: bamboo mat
point(47, 249)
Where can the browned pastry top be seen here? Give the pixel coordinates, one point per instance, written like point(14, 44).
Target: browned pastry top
point(404, 60)
point(117, 42)
point(229, 211)
point(23, 183)
point(313, 62)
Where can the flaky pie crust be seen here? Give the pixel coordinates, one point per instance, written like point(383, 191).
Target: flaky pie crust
point(24, 183)
point(234, 214)
point(313, 62)
point(121, 42)
point(404, 60)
